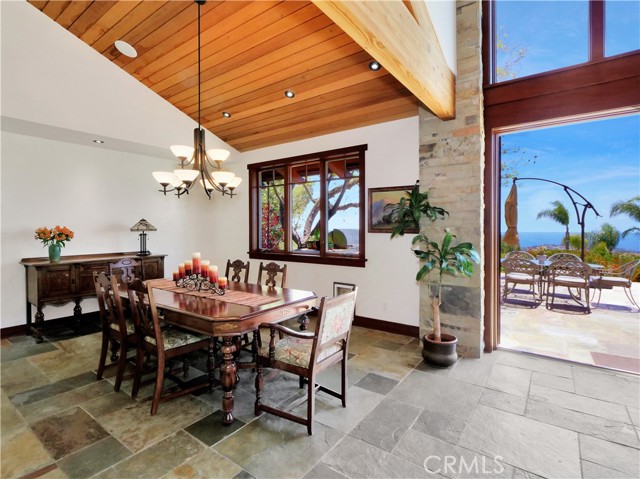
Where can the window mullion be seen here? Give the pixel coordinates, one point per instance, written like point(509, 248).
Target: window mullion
point(287, 209)
point(323, 207)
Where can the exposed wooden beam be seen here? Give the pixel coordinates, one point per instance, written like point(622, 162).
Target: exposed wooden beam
point(406, 47)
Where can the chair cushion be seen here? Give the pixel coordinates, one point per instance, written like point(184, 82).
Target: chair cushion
point(569, 280)
point(128, 324)
point(174, 338)
point(520, 277)
point(611, 281)
point(297, 351)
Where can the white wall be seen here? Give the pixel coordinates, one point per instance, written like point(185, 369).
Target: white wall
point(387, 287)
point(99, 194)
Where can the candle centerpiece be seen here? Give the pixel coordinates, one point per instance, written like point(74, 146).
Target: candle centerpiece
point(199, 275)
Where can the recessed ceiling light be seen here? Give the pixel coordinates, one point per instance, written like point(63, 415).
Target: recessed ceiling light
point(374, 66)
point(226, 114)
point(289, 93)
point(100, 142)
point(125, 48)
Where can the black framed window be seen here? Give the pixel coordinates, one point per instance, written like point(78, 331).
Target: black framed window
point(309, 208)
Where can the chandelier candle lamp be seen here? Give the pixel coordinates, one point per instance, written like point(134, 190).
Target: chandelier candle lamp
point(199, 275)
point(143, 226)
point(197, 161)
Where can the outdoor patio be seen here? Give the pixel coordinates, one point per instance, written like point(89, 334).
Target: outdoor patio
point(607, 337)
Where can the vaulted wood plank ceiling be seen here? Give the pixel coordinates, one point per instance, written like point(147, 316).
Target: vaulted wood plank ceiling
point(251, 52)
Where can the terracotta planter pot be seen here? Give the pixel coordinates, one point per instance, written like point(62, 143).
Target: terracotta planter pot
point(441, 354)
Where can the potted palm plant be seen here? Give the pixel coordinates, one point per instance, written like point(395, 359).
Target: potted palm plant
point(443, 258)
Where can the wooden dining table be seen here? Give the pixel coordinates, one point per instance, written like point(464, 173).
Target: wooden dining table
point(239, 311)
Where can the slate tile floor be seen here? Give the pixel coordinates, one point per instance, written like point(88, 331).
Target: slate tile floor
point(507, 415)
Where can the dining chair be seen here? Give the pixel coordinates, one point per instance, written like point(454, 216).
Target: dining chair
point(116, 328)
point(520, 254)
point(620, 277)
point(563, 257)
point(272, 270)
point(522, 271)
point(124, 270)
point(573, 275)
point(234, 271)
point(306, 354)
point(164, 343)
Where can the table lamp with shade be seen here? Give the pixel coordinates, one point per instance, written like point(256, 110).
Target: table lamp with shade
point(143, 226)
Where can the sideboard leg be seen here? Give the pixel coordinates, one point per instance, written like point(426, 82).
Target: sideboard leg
point(77, 314)
point(39, 324)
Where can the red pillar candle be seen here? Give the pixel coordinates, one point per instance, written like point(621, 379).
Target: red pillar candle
point(213, 273)
point(181, 273)
point(205, 268)
point(176, 275)
point(188, 268)
point(222, 282)
point(196, 263)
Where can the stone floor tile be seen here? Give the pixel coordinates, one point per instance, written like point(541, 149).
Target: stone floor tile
point(438, 394)
point(575, 402)
point(75, 356)
point(68, 431)
point(609, 454)
point(273, 447)
point(520, 474)
point(207, 464)
point(536, 363)
point(332, 376)
point(584, 423)
point(329, 410)
point(48, 390)
point(55, 404)
point(591, 470)
point(210, 429)
point(322, 471)
point(22, 453)
point(396, 468)
point(107, 403)
point(11, 420)
point(244, 475)
point(448, 427)
point(94, 458)
point(136, 428)
point(19, 376)
point(11, 352)
point(474, 371)
point(355, 459)
point(550, 381)
point(509, 379)
point(390, 364)
point(156, 460)
point(384, 426)
point(52, 471)
point(531, 445)
point(634, 414)
point(504, 401)
point(376, 383)
point(607, 387)
point(444, 458)
point(388, 345)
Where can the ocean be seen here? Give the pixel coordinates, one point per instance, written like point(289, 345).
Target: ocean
point(534, 238)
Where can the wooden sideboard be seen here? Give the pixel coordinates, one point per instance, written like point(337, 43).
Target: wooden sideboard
point(71, 279)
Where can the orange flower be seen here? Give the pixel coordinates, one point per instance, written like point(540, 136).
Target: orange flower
point(58, 235)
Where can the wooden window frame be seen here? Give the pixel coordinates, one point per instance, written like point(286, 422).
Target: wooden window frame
point(323, 257)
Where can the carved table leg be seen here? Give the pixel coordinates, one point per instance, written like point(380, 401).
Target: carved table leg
point(228, 378)
point(303, 320)
point(39, 324)
point(211, 363)
point(77, 313)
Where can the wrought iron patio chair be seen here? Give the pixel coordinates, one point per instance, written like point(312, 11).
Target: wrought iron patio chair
point(621, 277)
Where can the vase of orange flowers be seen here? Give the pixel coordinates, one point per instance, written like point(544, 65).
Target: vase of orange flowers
point(55, 239)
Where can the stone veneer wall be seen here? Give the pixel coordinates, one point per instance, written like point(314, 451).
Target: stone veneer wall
point(451, 167)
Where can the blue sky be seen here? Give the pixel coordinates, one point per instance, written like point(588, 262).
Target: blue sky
point(599, 159)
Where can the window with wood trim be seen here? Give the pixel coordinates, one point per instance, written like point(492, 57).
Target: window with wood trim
point(309, 208)
point(531, 37)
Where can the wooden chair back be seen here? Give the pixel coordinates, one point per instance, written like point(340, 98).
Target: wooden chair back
point(145, 314)
point(124, 269)
point(235, 269)
point(109, 303)
point(272, 270)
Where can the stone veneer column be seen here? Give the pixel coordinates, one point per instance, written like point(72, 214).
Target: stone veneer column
point(451, 167)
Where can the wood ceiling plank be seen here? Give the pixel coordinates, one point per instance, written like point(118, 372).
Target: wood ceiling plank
point(53, 9)
point(72, 11)
point(123, 27)
point(281, 73)
point(216, 26)
point(239, 68)
point(360, 93)
point(355, 120)
point(235, 42)
point(39, 4)
point(110, 21)
point(338, 74)
point(410, 51)
point(255, 130)
point(89, 17)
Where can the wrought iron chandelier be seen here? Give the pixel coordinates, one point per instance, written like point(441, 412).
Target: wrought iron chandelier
point(206, 164)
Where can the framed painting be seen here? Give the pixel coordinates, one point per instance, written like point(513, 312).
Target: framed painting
point(342, 288)
point(380, 200)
